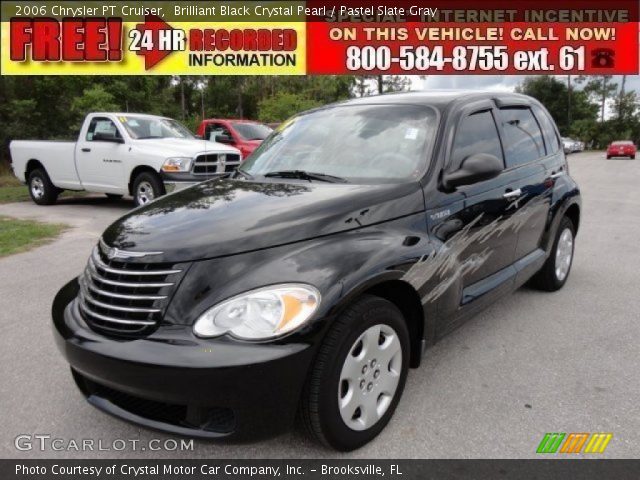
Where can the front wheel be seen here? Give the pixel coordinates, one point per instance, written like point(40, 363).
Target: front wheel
point(147, 187)
point(41, 190)
point(358, 377)
point(554, 273)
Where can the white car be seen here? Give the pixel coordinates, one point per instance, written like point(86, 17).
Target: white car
point(120, 154)
point(569, 145)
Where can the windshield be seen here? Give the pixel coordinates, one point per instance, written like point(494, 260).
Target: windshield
point(252, 131)
point(369, 143)
point(154, 127)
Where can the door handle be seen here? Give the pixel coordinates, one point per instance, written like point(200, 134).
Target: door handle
point(556, 175)
point(513, 194)
point(86, 149)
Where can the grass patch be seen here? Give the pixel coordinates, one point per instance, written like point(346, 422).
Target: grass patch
point(21, 235)
point(14, 194)
point(11, 190)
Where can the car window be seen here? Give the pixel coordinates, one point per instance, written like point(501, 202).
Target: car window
point(103, 126)
point(477, 134)
point(366, 144)
point(523, 136)
point(214, 129)
point(252, 131)
point(148, 127)
point(548, 130)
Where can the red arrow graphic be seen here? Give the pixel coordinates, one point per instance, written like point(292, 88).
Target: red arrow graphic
point(153, 55)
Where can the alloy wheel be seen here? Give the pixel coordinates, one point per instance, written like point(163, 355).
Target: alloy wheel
point(564, 254)
point(37, 187)
point(370, 376)
point(145, 192)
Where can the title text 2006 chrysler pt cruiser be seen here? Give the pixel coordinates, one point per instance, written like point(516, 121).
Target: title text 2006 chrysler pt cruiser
point(310, 280)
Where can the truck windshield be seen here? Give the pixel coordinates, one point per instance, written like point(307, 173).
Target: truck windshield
point(142, 128)
point(252, 131)
point(366, 144)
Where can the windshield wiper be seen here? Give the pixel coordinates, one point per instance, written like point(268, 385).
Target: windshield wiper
point(304, 175)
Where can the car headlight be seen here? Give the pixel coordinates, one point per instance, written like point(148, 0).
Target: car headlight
point(177, 164)
point(260, 314)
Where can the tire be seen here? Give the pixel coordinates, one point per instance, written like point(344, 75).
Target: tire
point(147, 186)
point(113, 196)
point(551, 276)
point(41, 190)
point(327, 386)
point(608, 157)
point(632, 157)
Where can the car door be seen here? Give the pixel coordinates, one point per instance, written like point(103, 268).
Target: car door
point(477, 247)
point(215, 129)
point(100, 156)
point(526, 157)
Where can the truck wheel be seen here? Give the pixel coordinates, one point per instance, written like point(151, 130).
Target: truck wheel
point(41, 190)
point(146, 187)
point(358, 376)
point(554, 273)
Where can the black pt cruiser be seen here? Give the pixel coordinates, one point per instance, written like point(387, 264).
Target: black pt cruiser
point(310, 280)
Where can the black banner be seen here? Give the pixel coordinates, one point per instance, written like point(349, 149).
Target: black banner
point(319, 469)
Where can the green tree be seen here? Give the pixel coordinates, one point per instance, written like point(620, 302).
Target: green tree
point(600, 88)
point(284, 105)
point(554, 95)
point(93, 99)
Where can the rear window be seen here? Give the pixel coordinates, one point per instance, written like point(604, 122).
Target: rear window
point(623, 143)
point(523, 136)
point(548, 130)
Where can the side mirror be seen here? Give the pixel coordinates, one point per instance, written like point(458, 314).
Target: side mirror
point(103, 137)
point(224, 139)
point(475, 168)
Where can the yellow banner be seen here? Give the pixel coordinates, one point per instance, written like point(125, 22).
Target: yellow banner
point(198, 48)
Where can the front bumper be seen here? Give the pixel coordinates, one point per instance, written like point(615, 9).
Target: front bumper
point(178, 383)
point(174, 182)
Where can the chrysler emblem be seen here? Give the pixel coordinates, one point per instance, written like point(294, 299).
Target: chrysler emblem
point(113, 252)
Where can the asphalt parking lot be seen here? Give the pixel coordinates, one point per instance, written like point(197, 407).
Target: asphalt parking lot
point(533, 363)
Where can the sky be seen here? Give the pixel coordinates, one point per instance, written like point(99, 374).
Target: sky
point(492, 82)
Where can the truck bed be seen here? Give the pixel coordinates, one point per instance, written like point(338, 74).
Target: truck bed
point(57, 156)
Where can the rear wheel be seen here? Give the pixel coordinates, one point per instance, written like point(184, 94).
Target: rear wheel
point(358, 377)
point(147, 187)
point(632, 157)
point(554, 273)
point(41, 190)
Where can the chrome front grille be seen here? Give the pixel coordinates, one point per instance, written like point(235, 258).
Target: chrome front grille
point(123, 297)
point(215, 163)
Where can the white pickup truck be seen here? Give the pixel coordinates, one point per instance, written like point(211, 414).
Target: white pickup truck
point(121, 154)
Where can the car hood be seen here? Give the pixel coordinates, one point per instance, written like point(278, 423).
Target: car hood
point(226, 217)
point(184, 147)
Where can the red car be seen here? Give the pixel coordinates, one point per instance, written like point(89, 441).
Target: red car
point(245, 135)
point(621, 148)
